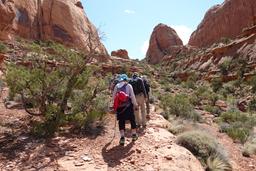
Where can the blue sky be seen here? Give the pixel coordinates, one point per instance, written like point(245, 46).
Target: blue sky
point(128, 24)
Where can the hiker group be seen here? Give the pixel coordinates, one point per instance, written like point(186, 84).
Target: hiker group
point(131, 102)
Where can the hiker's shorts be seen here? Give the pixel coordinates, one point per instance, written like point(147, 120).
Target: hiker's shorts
point(127, 114)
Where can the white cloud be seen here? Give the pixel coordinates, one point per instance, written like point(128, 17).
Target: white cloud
point(184, 32)
point(129, 11)
point(144, 47)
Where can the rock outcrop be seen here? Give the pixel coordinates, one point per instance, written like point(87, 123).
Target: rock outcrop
point(162, 42)
point(224, 21)
point(60, 20)
point(7, 15)
point(122, 53)
point(240, 52)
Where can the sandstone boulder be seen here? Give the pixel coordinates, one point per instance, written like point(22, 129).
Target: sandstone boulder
point(224, 21)
point(7, 15)
point(60, 20)
point(122, 53)
point(162, 40)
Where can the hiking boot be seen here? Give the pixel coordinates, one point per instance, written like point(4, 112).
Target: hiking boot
point(122, 140)
point(134, 137)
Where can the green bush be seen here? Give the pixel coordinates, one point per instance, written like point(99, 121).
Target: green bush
point(225, 67)
point(191, 82)
point(177, 129)
point(179, 105)
point(238, 133)
point(216, 84)
point(202, 145)
point(239, 124)
point(249, 147)
point(56, 84)
point(233, 116)
point(252, 104)
point(213, 109)
point(3, 48)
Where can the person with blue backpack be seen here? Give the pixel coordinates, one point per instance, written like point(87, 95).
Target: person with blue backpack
point(124, 105)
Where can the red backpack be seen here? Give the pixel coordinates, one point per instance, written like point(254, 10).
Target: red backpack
point(121, 99)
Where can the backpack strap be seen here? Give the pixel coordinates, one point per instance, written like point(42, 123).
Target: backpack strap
point(123, 88)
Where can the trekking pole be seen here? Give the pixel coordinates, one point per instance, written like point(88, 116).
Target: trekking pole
point(114, 129)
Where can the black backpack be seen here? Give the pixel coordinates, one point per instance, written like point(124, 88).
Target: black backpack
point(146, 85)
point(137, 85)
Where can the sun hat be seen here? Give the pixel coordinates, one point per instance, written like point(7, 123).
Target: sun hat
point(123, 77)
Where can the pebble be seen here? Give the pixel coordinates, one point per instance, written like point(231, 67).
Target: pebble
point(86, 158)
point(138, 150)
point(76, 163)
point(168, 157)
point(132, 162)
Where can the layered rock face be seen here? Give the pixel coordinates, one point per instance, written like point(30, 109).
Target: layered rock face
point(241, 52)
point(224, 21)
point(61, 20)
point(7, 15)
point(162, 41)
point(122, 53)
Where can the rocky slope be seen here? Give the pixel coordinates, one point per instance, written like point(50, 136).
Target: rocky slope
point(224, 21)
point(163, 41)
point(240, 54)
point(61, 20)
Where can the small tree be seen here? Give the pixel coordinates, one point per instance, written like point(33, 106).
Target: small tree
point(225, 67)
point(216, 84)
point(50, 78)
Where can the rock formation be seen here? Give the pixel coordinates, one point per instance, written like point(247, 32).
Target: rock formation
point(7, 15)
point(162, 41)
point(224, 21)
point(60, 20)
point(122, 53)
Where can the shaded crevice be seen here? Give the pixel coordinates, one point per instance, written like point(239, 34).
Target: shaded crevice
point(39, 18)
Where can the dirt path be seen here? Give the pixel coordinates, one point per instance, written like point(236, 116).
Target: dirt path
point(154, 150)
point(239, 162)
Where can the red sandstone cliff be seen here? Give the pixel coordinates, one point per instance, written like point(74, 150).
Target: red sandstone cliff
point(224, 21)
point(61, 20)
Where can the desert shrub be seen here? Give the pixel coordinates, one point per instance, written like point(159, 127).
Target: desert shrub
point(167, 88)
point(179, 105)
point(49, 84)
point(177, 129)
point(203, 93)
point(249, 147)
point(202, 145)
point(177, 81)
point(218, 163)
point(200, 94)
point(225, 67)
point(239, 124)
point(216, 84)
point(238, 133)
point(191, 81)
point(3, 48)
point(213, 109)
point(225, 40)
point(253, 84)
point(233, 116)
point(252, 105)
